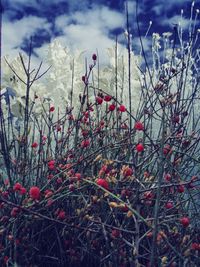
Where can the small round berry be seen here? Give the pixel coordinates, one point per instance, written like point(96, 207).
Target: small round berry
point(61, 215)
point(140, 147)
point(99, 100)
point(103, 183)
point(122, 108)
point(168, 177)
point(181, 188)
point(139, 126)
point(52, 108)
point(107, 98)
point(94, 57)
point(185, 221)
point(17, 187)
point(127, 172)
point(166, 149)
point(34, 145)
point(112, 107)
point(22, 191)
point(85, 143)
point(169, 205)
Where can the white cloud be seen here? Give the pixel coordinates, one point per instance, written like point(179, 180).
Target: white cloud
point(99, 17)
point(86, 30)
point(182, 22)
point(90, 30)
point(14, 32)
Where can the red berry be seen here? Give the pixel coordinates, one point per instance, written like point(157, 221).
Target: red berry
point(103, 183)
point(48, 193)
point(167, 177)
point(115, 233)
point(128, 172)
point(139, 126)
point(71, 187)
point(58, 128)
point(85, 143)
point(51, 162)
point(34, 145)
point(52, 108)
point(6, 259)
point(78, 175)
point(122, 108)
point(14, 212)
point(34, 192)
point(107, 98)
point(140, 147)
point(181, 188)
point(22, 191)
point(99, 100)
point(6, 181)
point(166, 149)
point(195, 246)
point(148, 195)
point(59, 180)
point(169, 205)
point(185, 221)
point(112, 107)
point(61, 215)
point(94, 57)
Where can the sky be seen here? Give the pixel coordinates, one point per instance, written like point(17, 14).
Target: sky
point(87, 24)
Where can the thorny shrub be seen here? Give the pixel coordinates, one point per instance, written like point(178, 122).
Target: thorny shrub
point(100, 183)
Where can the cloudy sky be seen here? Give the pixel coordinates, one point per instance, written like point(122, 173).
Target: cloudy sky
point(85, 24)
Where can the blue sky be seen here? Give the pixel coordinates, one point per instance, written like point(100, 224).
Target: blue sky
point(85, 24)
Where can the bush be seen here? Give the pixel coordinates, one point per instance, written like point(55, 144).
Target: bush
point(101, 179)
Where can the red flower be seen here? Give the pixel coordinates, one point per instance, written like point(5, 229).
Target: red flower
point(140, 147)
point(17, 187)
point(103, 183)
point(34, 145)
point(34, 192)
point(185, 221)
point(122, 108)
point(94, 57)
point(85, 143)
point(107, 98)
point(52, 108)
point(111, 107)
point(139, 126)
point(99, 100)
